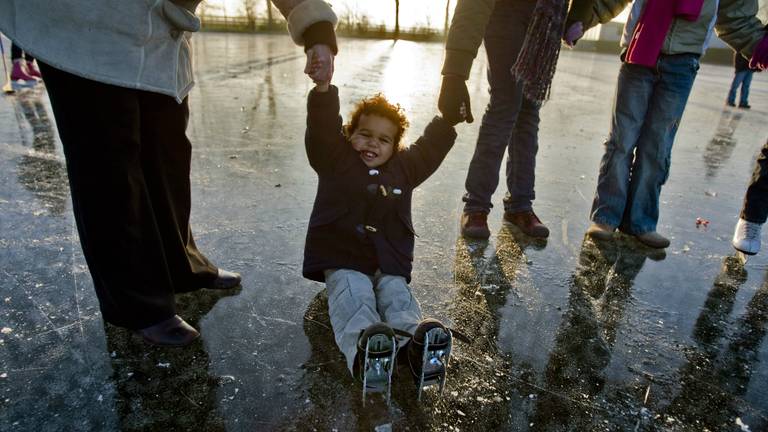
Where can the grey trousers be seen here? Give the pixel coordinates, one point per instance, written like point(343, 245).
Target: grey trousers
point(356, 300)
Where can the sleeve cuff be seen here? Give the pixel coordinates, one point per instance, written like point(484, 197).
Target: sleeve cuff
point(458, 63)
point(325, 101)
point(307, 13)
point(320, 33)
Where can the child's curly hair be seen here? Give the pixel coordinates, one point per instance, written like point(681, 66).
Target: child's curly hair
point(378, 105)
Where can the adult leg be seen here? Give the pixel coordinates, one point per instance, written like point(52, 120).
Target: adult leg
point(633, 92)
point(165, 160)
point(738, 78)
point(100, 129)
point(650, 170)
point(396, 303)
point(521, 159)
point(755, 208)
point(503, 39)
point(745, 84)
point(351, 307)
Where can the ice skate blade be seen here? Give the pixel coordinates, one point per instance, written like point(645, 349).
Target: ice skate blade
point(743, 257)
point(379, 363)
point(435, 361)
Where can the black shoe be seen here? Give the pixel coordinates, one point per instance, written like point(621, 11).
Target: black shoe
point(375, 361)
point(745, 106)
point(730, 104)
point(226, 280)
point(172, 332)
point(428, 354)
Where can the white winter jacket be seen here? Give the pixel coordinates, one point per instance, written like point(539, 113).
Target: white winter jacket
point(141, 44)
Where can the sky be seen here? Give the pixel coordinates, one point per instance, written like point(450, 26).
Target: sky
point(413, 13)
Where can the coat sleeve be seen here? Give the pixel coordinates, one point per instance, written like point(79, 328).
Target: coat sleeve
point(738, 26)
point(582, 11)
point(602, 11)
point(310, 22)
point(324, 139)
point(422, 158)
point(465, 35)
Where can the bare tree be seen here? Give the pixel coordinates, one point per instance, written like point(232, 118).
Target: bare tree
point(249, 7)
point(269, 14)
point(397, 19)
point(447, 14)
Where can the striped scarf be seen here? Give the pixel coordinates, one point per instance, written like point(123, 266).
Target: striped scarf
point(537, 61)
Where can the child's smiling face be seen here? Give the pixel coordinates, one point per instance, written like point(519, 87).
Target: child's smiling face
point(374, 139)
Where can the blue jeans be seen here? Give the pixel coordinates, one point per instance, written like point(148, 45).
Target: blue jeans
point(647, 111)
point(743, 79)
point(510, 123)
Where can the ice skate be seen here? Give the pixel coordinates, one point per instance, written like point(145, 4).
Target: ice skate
point(428, 354)
point(376, 351)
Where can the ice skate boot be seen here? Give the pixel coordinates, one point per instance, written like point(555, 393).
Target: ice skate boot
point(428, 354)
point(376, 351)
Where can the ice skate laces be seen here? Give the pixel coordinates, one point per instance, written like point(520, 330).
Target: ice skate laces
point(749, 230)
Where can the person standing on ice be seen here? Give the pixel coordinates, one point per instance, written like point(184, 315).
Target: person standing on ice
point(663, 41)
point(360, 238)
point(522, 41)
point(754, 211)
point(742, 78)
point(118, 74)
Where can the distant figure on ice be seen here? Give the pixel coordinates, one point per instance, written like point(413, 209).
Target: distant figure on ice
point(742, 78)
point(360, 240)
point(663, 40)
point(522, 41)
point(754, 212)
point(24, 67)
point(118, 74)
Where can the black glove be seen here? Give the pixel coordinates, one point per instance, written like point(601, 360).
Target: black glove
point(454, 94)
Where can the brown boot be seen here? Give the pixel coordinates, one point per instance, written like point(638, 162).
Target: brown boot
point(653, 239)
point(475, 225)
point(528, 223)
point(600, 231)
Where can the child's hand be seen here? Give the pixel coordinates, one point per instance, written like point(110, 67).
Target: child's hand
point(322, 87)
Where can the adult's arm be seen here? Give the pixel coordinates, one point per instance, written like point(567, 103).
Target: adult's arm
point(738, 26)
point(465, 35)
point(310, 22)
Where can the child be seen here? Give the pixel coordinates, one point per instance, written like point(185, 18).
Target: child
point(754, 212)
point(663, 40)
point(360, 239)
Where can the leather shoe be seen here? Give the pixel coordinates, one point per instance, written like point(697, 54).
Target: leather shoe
point(600, 231)
point(653, 239)
point(174, 332)
point(226, 280)
point(475, 225)
point(528, 223)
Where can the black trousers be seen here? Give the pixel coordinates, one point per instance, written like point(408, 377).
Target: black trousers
point(128, 162)
point(755, 207)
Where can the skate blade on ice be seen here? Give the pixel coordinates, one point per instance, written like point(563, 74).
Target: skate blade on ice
point(379, 362)
point(435, 359)
point(743, 258)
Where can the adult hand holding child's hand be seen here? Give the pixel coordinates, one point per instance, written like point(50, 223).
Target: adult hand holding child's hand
point(319, 63)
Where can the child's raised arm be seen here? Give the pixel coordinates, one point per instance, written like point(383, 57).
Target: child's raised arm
point(422, 158)
point(324, 139)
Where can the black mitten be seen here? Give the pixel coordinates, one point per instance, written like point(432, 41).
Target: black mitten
point(454, 95)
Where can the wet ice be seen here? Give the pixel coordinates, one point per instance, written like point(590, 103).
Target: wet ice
point(565, 335)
